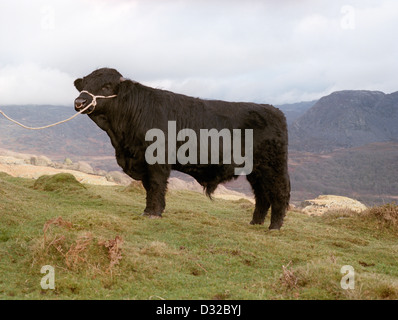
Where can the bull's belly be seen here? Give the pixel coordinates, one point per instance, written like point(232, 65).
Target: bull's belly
point(207, 174)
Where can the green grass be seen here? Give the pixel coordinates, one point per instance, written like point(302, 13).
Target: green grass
point(200, 249)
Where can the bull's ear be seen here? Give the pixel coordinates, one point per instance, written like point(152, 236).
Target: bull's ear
point(122, 79)
point(79, 84)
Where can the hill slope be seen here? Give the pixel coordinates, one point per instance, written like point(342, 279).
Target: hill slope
point(367, 173)
point(79, 138)
point(101, 248)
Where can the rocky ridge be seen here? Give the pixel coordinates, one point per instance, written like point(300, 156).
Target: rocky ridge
point(325, 203)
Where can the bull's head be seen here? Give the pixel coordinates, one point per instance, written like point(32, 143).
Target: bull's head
point(101, 83)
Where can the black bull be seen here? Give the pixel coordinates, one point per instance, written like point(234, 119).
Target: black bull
point(136, 109)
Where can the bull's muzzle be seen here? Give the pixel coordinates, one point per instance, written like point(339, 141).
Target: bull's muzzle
point(80, 103)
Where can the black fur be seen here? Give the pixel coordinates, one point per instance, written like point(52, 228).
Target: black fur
point(138, 108)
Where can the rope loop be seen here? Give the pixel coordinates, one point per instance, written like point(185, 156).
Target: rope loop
point(94, 99)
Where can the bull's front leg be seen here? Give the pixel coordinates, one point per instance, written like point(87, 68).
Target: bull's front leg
point(155, 184)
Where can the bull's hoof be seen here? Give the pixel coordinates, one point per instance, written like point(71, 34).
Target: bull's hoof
point(256, 222)
point(151, 216)
point(275, 226)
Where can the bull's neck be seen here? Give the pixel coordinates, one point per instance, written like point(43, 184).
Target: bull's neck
point(109, 126)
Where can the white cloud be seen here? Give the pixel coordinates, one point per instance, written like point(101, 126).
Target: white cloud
point(29, 84)
point(262, 51)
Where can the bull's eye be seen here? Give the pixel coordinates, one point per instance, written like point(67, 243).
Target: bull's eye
point(106, 87)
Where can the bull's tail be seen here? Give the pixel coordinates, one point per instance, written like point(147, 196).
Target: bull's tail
point(209, 189)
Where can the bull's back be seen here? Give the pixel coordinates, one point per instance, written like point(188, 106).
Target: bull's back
point(196, 114)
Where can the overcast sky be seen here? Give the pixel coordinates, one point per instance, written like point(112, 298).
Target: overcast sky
point(263, 51)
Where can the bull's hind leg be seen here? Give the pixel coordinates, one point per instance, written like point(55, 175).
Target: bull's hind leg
point(272, 190)
point(280, 201)
point(262, 199)
point(155, 184)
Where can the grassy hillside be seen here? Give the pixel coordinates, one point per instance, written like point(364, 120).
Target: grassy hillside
point(101, 248)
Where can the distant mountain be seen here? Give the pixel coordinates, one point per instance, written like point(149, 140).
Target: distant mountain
point(346, 119)
point(293, 111)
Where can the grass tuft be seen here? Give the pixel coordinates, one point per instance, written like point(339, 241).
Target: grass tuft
point(387, 214)
point(60, 182)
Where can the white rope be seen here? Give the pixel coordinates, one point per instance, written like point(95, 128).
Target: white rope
point(92, 103)
point(44, 127)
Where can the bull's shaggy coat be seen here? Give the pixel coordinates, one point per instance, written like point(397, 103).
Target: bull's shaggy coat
point(138, 108)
